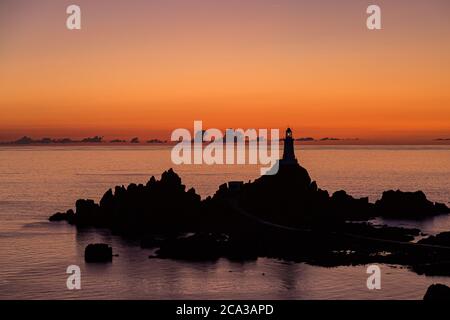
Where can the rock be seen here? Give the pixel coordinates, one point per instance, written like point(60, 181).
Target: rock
point(381, 231)
point(59, 216)
point(350, 208)
point(98, 252)
point(151, 241)
point(437, 292)
point(198, 247)
point(87, 213)
point(408, 205)
point(437, 263)
point(433, 269)
point(66, 216)
point(441, 239)
point(141, 209)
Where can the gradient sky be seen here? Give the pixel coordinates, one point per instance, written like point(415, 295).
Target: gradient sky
point(146, 68)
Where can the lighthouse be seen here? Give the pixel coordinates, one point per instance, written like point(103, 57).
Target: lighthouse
point(288, 152)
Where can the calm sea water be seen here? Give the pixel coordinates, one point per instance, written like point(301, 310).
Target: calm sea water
point(38, 181)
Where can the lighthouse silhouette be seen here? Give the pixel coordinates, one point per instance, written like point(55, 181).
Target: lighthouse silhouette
point(288, 152)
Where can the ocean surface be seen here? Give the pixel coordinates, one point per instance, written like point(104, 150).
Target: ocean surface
point(37, 181)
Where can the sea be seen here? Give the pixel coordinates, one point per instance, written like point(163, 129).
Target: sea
point(37, 181)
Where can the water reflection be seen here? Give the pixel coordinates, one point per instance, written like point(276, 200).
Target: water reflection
point(34, 253)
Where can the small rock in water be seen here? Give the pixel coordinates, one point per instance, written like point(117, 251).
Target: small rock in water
point(437, 292)
point(60, 216)
point(98, 252)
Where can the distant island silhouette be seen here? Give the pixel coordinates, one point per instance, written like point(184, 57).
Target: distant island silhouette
point(285, 216)
point(25, 140)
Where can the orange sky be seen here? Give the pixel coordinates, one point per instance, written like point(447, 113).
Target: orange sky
point(148, 67)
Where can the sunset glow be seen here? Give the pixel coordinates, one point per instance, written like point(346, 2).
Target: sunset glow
point(145, 68)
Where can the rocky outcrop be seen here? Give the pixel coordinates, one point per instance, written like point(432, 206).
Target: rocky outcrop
point(98, 252)
point(291, 198)
point(288, 198)
point(408, 205)
point(273, 216)
point(159, 206)
point(438, 268)
point(441, 239)
point(438, 264)
point(63, 216)
point(437, 292)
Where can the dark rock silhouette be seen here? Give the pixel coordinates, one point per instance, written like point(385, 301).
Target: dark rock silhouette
point(435, 266)
point(330, 139)
point(24, 140)
point(159, 206)
point(408, 205)
point(96, 139)
point(98, 252)
point(441, 239)
point(208, 246)
point(156, 141)
point(439, 268)
point(151, 241)
point(66, 216)
point(437, 292)
point(63, 140)
point(196, 247)
point(27, 140)
point(135, 140)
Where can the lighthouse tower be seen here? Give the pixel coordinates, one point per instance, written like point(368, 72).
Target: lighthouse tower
point(288, 152)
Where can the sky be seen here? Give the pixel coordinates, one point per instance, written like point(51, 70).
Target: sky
point(146, 68)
